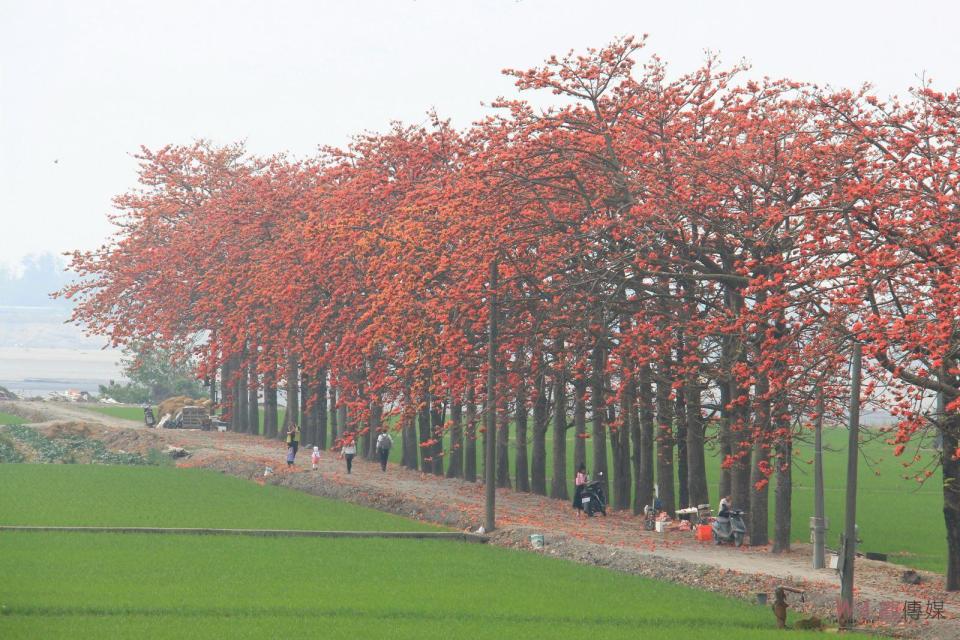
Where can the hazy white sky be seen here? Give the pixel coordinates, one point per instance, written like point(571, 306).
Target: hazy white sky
point(86, 82)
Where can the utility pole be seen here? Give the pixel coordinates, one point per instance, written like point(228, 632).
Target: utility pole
point(819, 524)
point(490, 459)
point(850, 524)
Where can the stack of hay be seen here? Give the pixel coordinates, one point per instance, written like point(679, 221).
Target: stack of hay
point(173, 406)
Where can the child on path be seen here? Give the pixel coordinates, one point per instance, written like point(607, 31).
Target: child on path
point(315, 458)
point(291, 454)
point(384, 442)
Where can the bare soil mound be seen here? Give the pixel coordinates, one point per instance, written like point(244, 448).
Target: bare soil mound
point(65, 428)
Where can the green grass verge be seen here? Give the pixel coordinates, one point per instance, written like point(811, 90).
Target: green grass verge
point(127, 413)
point(102, 495)
point(6, 418)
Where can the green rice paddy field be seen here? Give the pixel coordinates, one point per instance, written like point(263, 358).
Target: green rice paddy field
point(86, 585)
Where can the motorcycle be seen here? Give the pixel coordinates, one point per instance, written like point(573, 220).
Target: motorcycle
point(593, 498)
point(729, 528)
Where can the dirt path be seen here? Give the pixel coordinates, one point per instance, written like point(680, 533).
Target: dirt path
point(617, 541)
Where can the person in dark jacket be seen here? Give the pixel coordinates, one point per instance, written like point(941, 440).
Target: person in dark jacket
point(384, 443)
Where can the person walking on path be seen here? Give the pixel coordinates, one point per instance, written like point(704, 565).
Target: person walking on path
point(384, 442)
point(293, 438)
point(579, 482)
point(348, 450)
point(291, 454)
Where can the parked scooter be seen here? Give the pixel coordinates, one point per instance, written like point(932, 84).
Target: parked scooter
point(649, 518)
point(729, 528)
point(593, 498)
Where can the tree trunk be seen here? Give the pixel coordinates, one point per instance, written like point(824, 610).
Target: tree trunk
point(522, 472)
point(253, 401)
point(293, 396)
point(696, 459)
point(307, 430)
point(243, 411)
point(740, 448)
point(951, 498)
point(270, 417)
point(503, 450)
point(455, 466)
point(644, 489)
point(366, 441)
point(784, 496)
point(343, 417)
point(726, 439)
point(334, 427)
point(375, 424)
point(423, 421)
point(321, 410)
point(538, 463)
point(237, 417)
point(683, 489)
point(213, 388)
point(470, 446)
point(579, 423)
point(598, 404)
point(783, 508)
point(630, 400)
point(758, 516)
point(438, 419)
point(620, 442)
point(665, 439)
point(410, 448)
point(558, 486)
point(493, 362)
point(318, 398)
point(227, 406)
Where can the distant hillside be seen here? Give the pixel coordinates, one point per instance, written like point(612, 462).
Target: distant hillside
point(38, 277)
point(37, 327)
point(29, 318)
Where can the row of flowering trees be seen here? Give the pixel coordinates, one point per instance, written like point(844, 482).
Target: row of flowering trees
point(683, 266)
